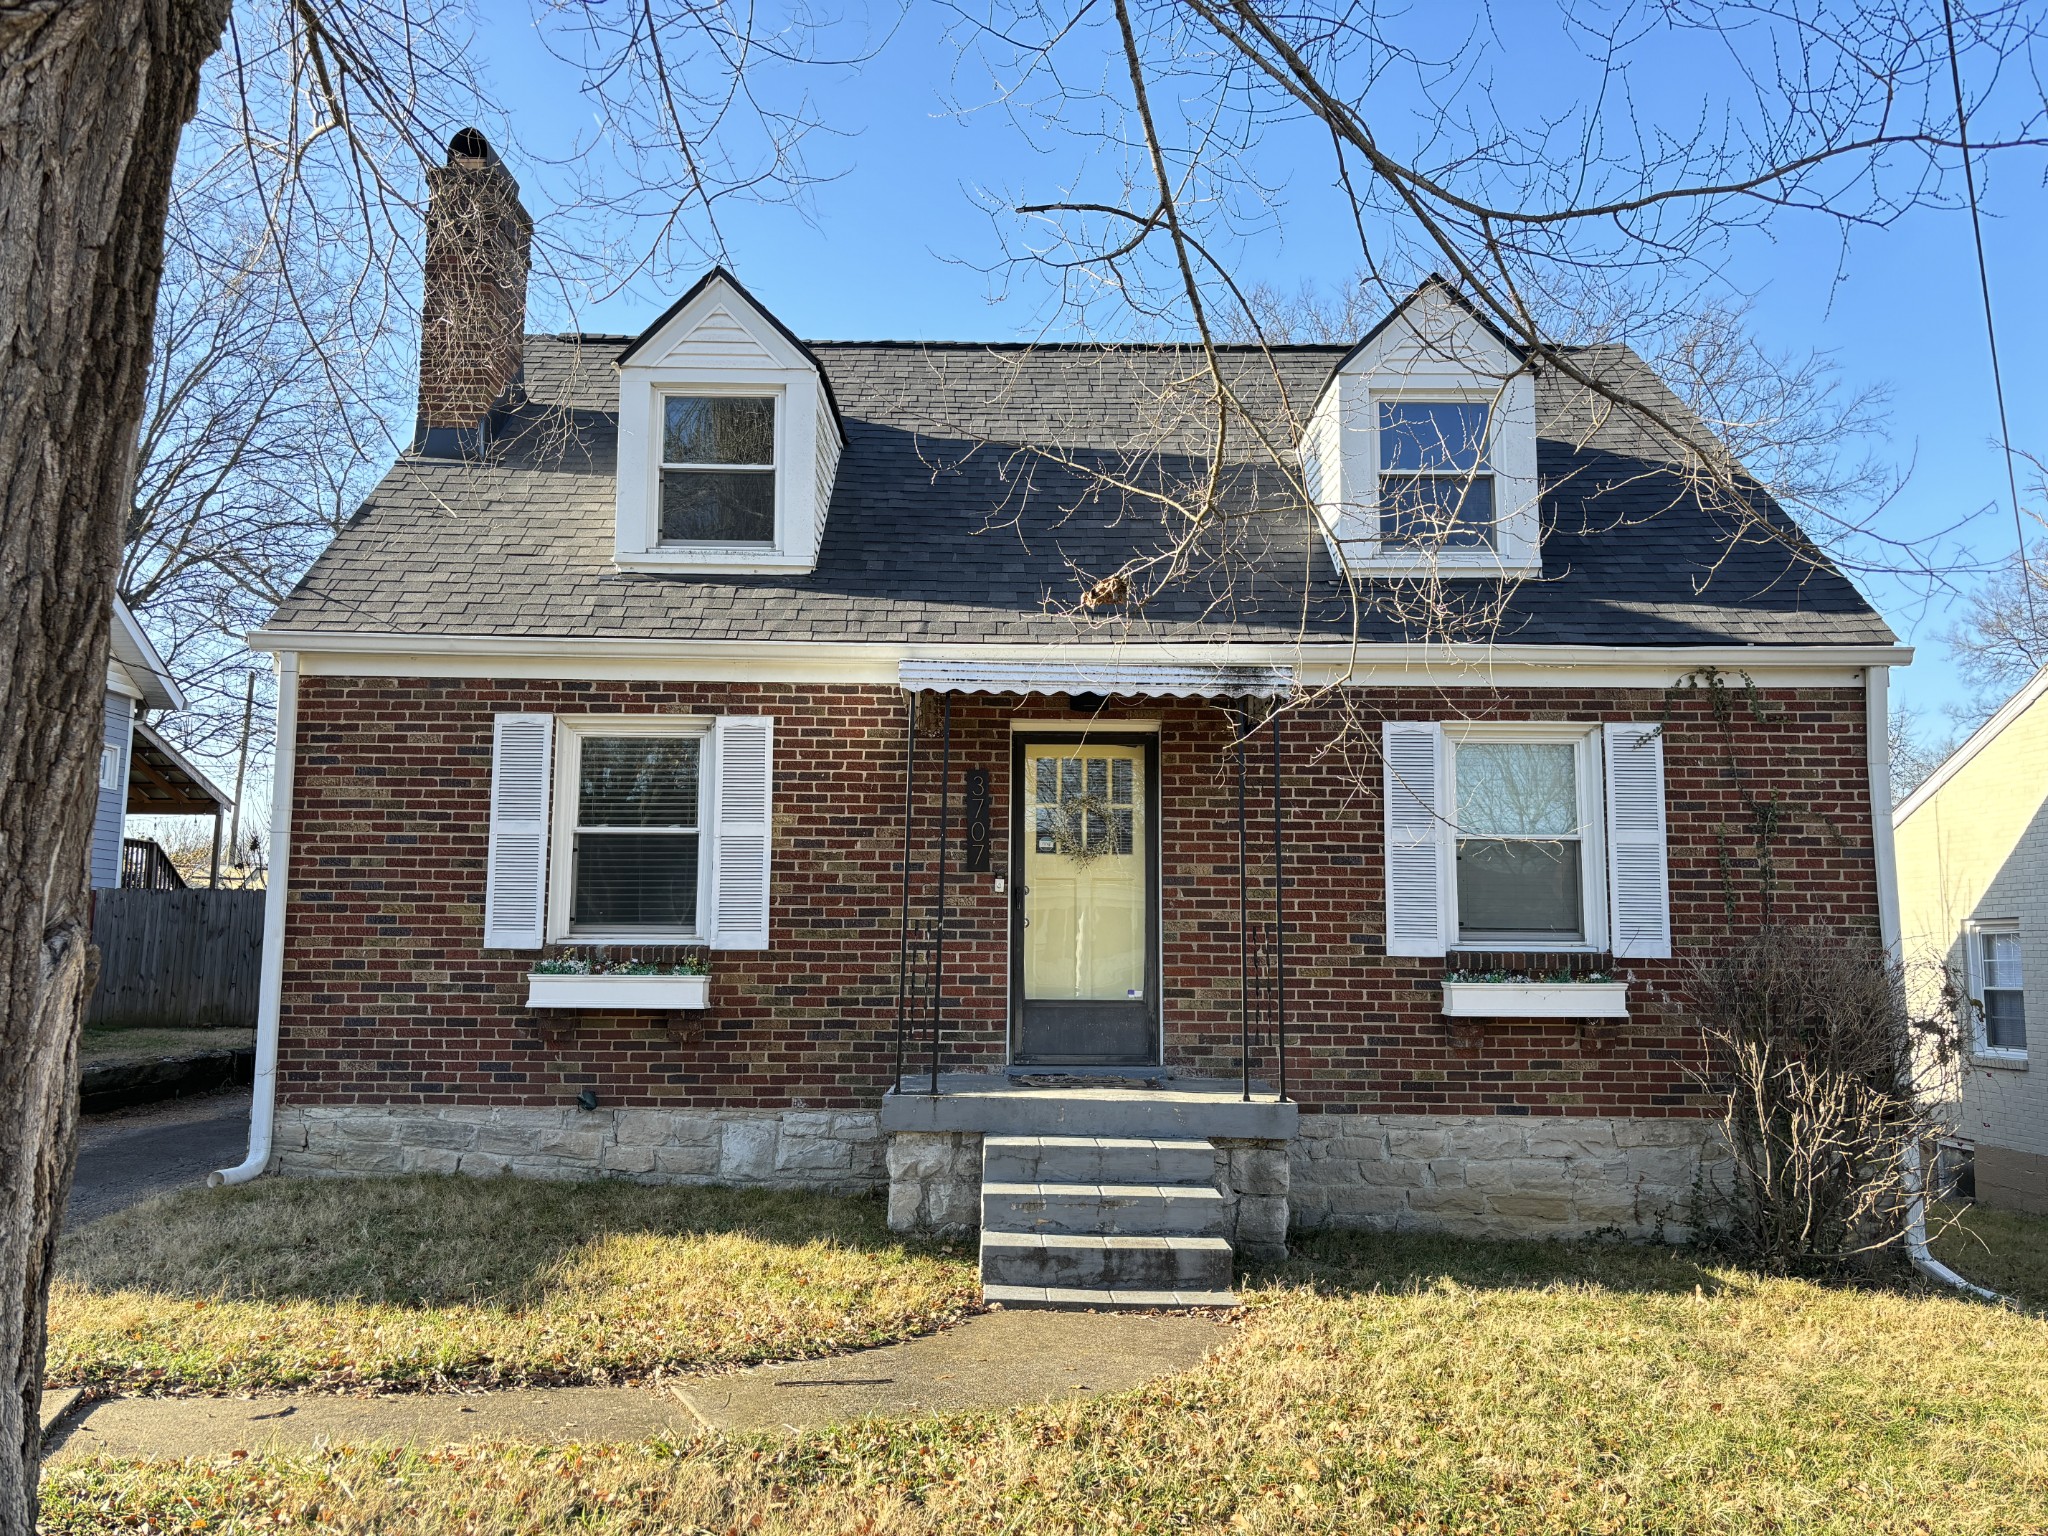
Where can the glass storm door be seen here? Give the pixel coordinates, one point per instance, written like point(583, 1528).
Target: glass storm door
point(1083, 970)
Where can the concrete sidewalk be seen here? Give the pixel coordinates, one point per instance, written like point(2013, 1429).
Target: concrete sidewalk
point(995, 1360)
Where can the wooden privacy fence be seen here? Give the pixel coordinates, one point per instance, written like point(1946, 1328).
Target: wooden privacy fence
point(177, 957)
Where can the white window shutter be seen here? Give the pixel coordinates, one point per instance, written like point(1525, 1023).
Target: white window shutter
point(516, 877)
point(1418, 841)
point(743, 786)
point(1638, 880)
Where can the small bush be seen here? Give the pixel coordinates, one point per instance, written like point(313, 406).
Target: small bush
point(1829, 1080)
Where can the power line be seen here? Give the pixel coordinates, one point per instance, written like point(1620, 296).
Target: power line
point(2012, 479)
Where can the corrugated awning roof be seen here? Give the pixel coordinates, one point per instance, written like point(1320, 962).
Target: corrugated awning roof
point(1197, 680)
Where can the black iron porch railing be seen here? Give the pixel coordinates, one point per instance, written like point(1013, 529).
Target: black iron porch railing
point(1262, 947)
point(146, 867)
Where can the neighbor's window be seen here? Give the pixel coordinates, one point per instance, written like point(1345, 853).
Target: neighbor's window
point(718, 469)
point(1521, 845)
point(635, 849)
point(2000, 988)
point(1435, 485)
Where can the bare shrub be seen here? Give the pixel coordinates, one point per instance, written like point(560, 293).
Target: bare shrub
point(1830, 1078)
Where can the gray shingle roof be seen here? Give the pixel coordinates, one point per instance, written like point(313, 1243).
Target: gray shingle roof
point(965, 511)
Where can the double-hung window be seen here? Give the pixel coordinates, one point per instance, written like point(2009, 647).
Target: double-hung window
point(1525, 821)
point(1994, 950)
point(718, 469)
point(1435, 478)
point(634, 816)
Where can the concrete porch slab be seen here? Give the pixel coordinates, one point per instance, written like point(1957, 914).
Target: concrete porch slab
point(992, 1105)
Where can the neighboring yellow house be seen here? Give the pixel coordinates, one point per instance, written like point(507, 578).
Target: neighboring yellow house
point(1973, 893)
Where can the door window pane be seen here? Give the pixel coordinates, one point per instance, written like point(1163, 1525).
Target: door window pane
point(1085, 882)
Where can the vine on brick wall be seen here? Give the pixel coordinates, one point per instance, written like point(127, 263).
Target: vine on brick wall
point(1767, 813)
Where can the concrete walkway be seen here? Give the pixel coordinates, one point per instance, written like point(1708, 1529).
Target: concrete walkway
point(995, 1360)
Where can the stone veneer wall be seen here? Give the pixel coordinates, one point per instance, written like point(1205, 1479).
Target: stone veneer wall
point(835, 1150)
point(1497, 1176)
point(1502, 1175)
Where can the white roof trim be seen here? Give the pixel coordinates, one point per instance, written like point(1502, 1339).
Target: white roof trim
point(1978, 740)
point(1202, 681)
point(145, 667)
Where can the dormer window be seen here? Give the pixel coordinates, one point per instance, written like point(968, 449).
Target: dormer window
point(718, 469)
point(1420, 453)
point(1435, 480)
point(729, 442)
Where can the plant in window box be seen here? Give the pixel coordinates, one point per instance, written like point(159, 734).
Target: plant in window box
point(595, 978)
point(1535, 992)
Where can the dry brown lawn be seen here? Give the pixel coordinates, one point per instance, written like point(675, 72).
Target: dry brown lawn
point(1375, 1385)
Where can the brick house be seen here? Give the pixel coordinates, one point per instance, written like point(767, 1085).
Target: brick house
point(1129, 934)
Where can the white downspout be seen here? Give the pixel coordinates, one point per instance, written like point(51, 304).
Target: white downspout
point(1877, 731)
point(270, 993)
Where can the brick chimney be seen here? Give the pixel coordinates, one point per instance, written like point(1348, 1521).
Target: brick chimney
point(473, 307)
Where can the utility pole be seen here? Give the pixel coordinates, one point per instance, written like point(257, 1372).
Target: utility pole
point(242, 763)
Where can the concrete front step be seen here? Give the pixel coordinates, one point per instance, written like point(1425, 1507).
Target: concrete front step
point(1066, 1260)
point(1095, 1160)
point(1153, 1210)
point(1084, 1299)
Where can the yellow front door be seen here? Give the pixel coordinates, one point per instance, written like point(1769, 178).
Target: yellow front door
point(1085, 903)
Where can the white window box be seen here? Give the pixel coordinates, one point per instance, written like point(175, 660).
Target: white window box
point(1536, 999)
point(617, 992)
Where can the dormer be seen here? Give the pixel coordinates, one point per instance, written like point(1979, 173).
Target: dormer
point(1420, 454)
point(728, 439)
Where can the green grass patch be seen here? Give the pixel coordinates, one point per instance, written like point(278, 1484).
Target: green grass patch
point(1374, 1384)
point(429, 1281)
point(2004, 1250)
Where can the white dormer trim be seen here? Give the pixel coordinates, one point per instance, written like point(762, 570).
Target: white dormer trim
point(1432, 348)
point(718, 341)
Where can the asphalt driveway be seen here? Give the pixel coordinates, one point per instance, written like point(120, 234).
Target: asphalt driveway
point(131, 1154)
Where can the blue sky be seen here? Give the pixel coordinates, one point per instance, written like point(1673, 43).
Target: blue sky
point(897, 245)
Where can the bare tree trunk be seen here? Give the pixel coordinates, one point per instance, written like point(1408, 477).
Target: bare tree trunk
point(93, 94)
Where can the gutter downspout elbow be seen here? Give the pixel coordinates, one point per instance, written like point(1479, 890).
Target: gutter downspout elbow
point(1916, 1232)
point(270, 993)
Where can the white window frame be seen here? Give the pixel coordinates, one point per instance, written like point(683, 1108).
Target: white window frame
point(776, 397)
point(1973, 964)
point(569, 733)
point(1590, 765)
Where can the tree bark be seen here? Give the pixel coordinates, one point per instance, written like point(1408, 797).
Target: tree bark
point(93, 96)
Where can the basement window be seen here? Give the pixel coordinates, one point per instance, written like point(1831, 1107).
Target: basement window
point(718, 469)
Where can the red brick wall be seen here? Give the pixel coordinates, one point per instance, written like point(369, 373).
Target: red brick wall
point(389, 999)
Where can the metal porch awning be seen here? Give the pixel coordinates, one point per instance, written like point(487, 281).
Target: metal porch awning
point(1182, 680)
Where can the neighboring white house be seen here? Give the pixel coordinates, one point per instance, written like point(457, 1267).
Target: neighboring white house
point(1973, 894)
